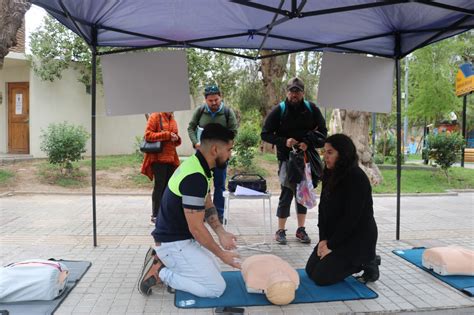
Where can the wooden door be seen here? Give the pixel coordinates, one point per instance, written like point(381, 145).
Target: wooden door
point(18, 118)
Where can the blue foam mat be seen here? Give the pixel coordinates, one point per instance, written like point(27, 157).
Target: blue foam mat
point(464, 284)
point(308, 292)
point(77, 269)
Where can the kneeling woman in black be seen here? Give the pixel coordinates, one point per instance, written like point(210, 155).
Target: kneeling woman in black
point(347, 229)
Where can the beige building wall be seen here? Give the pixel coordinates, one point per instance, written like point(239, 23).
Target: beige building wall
point(66, 100)
point(15, 69)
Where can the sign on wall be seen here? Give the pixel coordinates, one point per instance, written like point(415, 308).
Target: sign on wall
point(356, 82)
point(145, 82)
point(18, 104)
point(465, 80)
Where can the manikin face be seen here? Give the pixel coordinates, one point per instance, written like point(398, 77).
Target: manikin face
point(330, 156)
point(295, 96)
point(213, 101)
point(223, 153)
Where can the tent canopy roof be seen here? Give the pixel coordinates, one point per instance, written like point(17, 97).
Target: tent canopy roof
point(364, 26)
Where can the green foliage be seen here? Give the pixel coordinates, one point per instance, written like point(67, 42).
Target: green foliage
point(310, 65)
point(250, 97)
point(432, 72)
point(245, 146)
point(63, 144)
point(139, 155)
point(445, 149)
point(379, 159)
point(55, 48)
point(5, 176)
point(387, 146)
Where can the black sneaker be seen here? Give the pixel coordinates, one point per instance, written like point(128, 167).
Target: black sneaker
point(302, 235)
point(149, 276)
point(280, 236)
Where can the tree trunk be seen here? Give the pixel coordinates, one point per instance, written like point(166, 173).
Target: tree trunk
point(292, 71)
point(355, 124)
point(273, 69)
point(12, 13)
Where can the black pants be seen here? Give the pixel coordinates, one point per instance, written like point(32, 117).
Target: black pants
point(329, 270)
point(284, 204)
point(162, 174)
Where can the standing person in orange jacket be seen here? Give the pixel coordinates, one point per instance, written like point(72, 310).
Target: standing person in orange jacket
point(160, 166)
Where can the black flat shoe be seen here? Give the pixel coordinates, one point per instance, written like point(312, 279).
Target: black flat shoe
point(371, 270)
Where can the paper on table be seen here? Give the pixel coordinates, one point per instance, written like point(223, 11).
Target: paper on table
point(242, 191)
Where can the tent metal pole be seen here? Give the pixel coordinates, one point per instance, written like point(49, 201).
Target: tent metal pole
point(374, 131)
point(93, 131)
point(399, 130)
point(464, 105)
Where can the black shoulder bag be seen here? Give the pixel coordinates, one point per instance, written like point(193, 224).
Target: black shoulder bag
point(152, 147)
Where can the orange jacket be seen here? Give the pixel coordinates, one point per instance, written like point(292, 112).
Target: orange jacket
point(153, 132)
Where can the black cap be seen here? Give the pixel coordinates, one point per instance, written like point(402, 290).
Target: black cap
point(295, 83)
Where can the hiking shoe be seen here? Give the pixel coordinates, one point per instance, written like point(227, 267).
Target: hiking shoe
point(280, 236)
point(150, 255)
point(302, 235)
point(149, 276)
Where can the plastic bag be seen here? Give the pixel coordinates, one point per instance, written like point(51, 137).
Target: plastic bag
point(305, 194)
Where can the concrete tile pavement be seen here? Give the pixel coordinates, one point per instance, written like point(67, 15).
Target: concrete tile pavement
point(60, 226)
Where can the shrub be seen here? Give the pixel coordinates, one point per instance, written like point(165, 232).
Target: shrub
point(139, 155)
point(389, 145)
point(445, 149)
point(379, 159)
point(64, 143)
point(245, 146)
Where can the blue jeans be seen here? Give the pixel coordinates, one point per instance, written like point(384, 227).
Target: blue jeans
point(191, 268)
point(219, 188)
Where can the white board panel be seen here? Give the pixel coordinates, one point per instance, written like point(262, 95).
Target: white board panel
point(356, 82)
point(145, 82)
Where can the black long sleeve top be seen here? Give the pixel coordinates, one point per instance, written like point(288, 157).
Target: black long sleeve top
point(346, 218)
point(296, 122)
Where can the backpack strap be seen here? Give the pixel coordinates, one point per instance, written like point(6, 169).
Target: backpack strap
point(226, 113)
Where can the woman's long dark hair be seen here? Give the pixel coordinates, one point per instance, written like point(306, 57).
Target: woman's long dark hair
point(347, 159)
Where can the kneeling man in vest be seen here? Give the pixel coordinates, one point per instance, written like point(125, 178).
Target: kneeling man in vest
point(185, 252)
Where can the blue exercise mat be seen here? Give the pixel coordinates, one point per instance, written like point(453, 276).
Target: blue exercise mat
point(308, 292)
point(464, 284)
point(77, 269)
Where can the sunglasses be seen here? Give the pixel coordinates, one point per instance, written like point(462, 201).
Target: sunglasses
point(212, 89)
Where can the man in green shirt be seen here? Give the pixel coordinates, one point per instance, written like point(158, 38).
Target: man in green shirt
point(213, 111)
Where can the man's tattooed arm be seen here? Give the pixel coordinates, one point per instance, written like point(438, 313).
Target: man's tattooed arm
point(211, 217)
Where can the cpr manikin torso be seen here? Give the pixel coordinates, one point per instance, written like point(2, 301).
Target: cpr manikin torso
point(451, 260)
point(271, 275)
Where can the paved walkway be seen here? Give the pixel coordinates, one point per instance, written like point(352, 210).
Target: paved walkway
point(60, 226)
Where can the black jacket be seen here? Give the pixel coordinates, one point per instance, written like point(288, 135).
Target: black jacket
point(296, 123)
point(346, 218)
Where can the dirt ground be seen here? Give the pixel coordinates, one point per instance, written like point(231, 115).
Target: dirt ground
point(28, 179)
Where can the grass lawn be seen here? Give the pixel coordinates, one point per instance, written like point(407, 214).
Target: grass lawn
point(5, 176)
point(431, 180)
point(426, 181)
point(108, 162)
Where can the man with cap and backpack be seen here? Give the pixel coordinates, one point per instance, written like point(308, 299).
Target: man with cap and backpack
point(213, 111)
point(291, 124)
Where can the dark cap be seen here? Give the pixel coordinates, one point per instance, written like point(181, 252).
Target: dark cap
point(295, 83)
